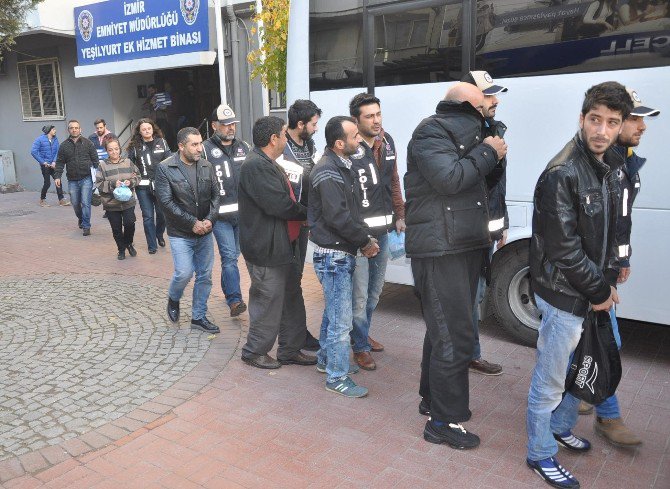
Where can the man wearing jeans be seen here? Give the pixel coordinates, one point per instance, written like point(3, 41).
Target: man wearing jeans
point(376, 171)
point(226, 153)
point(573, 267)
point(338, 231)
point(189, 196)
point(77, 156)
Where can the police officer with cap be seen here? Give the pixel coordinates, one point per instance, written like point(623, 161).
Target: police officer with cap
point(226, 153)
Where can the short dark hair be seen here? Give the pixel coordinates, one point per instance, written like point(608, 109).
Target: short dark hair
point(110, 139)
point(612, 95)
point(335, 129)
point(359, 101)
point(98, 121)
point(302, 111)
point(185, 132)
point(264, 128)
point(71, 121)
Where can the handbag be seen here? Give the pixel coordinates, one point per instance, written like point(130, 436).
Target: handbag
point(122, 193)
point(396, 245)
point(595, 369)
point(96, 200)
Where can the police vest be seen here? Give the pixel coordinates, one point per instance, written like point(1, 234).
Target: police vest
point(630, 188)
point(147, 159)
point(295, 172)
point(226, 161)
point(375, 185)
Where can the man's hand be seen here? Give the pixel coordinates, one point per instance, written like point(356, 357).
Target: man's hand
point(611, 300)
point(208, 225)
point(199, 228)
point(57, 182)
point(501, 242)
point(371, 249)
point(400, 225)
point(498, 144)
point(53, 164)
point(624, 273)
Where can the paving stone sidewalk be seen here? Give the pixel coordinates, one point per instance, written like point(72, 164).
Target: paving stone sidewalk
point(217, 423)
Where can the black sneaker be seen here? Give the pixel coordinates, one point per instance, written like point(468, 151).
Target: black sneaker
point(161, 241)
point(131, 250)
point(424, 407)
point(205, 325)
point(87, 232)
point(553, 473)
point(121, 255)
point(311, 343)
point(152, 252)
point(80, 225)
point(452, 434)
point(572, 442)
point(173, 310)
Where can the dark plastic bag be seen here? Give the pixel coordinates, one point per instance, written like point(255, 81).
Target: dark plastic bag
point(595, 370)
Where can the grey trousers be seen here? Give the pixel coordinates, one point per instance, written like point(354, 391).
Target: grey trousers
point(274, 299)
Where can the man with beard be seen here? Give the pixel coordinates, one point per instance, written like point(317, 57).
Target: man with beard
point(226, 153)
point(382, 209)
point(97, 138)
point(297, 161)
point(338, 232)
point(573, 267)
point(188, 193)
point(609, 423)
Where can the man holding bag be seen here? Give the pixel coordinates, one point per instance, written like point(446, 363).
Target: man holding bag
point(573, 268)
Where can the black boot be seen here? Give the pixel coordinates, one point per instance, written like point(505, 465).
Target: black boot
point(121, 255)
point(173, 310)
point(132, 250)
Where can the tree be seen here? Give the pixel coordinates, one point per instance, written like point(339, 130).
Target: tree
point(12, 20)
point(269, 61)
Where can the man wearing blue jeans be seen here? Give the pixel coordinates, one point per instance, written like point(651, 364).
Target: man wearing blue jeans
point(338, 231)
point(376, 171)
point(573, 267)
point(77, 156)
point(186, 188)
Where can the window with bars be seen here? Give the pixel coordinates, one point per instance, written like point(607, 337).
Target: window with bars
point(41, 89)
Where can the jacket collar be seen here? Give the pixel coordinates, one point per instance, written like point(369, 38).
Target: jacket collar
point(174, 160)
point(217, 140)
point(335, 158)
point(611, 160)
point(447, 106)
point(632, 163)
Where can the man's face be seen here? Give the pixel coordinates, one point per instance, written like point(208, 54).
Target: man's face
point(352, 138)
point(225, 131)
point(370, 120)
point(146, 131)
point(52, 133)
point(191, 149)
point(309, 129)
point(74, 129)
point(600, 128)
point(632, 130)
point(100, 128)
point(489, 106)
point(279, 142)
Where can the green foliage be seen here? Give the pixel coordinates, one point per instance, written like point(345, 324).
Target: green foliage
point(12, 20)
point(269, 61)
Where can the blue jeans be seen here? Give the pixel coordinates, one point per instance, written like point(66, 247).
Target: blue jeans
point(227, 236)
point(547, 412)
point(81, 192)
point(368, 284)
point(192, 255)
point(153, 228)
point(335, 272)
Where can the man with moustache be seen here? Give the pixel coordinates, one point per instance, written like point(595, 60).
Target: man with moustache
point(608, 422)
point(226, 153)
point(573, 267)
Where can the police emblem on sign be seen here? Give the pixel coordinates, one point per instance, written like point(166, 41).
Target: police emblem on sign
point(189, 10)
point(85, 24)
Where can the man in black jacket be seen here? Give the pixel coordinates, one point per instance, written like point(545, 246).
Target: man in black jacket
point(270, 221)
point(573, 269)
point(77, 156)
point(338, 231)
point(447, 233)
point(226, 153)
point(498, 221)
point(188, 193)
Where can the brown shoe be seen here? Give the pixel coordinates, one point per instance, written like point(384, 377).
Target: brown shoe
point(365, 361)
point(375, 345)
point(237, 308)
point(615, 432)
point(43, 203)
point(585, 408)
point(483, 367)
point(298, 359)
point(63, 202)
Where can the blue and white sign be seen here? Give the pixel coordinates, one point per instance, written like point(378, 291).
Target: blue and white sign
point(119, 30)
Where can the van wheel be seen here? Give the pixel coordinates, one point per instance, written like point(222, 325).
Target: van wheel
point(513, 302)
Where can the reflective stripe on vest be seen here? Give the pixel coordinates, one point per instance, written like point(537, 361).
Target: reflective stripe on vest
point(496, 224)
point(144, 182)
point(379, 221)
point(624, 203)
point(226, 209)
point(624, 250)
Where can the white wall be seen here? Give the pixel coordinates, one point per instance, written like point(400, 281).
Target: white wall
point(126, 104)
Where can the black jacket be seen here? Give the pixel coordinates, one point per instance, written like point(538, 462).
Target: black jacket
point(496, 184)
point(334, 206)
point(76, 158)
point(375, 185)
point(629, 187)
point(265, 207)
point(148, 157)
point(227, 162)
point(178, 199)
point(567, 265)
point(446, 210)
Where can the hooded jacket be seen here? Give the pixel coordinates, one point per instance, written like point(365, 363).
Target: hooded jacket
point(45, 150)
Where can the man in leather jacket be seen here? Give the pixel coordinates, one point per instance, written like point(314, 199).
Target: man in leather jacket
point(447, 233)
point(573, 267)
